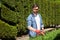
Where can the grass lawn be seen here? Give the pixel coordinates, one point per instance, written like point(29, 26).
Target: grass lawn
point(52, 35)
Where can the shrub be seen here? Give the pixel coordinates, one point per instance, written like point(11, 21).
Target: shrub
point(53, 35)
point(16, 11)
point(48, 9)
point(8, 15)
point(7, 30)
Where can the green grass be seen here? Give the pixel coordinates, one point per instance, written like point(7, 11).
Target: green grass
point(53, 35)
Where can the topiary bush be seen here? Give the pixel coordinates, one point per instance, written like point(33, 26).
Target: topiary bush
point(7, 30)
point(8, 15)
point(15, 12)
point(53, 35)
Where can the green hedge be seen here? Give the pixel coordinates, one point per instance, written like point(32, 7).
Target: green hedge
point(17, 11)
point(53, 35)
point(50, 10)
point(7, 30)
point(8, 15)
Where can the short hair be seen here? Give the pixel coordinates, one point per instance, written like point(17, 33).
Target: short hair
point(35, 5)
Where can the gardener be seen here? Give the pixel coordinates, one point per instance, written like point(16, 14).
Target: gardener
point(34, 21)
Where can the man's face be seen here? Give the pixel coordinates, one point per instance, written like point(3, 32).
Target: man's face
point(35, 9)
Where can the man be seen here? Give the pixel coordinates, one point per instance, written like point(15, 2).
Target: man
point(34, 21)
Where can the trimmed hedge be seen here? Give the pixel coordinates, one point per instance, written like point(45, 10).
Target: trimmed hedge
point(16, 11)
point(53, 35)
point(8, 15)
point(7, 30)
point(50, 10)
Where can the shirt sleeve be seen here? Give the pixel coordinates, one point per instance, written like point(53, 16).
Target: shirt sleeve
point(29, 21)
point(42, 26)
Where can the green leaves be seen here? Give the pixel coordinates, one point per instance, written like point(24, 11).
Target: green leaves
point(7, 30)
point(48, 36)
point(17, 11)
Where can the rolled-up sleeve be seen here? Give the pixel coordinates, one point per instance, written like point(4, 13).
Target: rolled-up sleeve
point(29, 21)
point(43, 26)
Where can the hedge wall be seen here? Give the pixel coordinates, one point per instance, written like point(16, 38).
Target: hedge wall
point(7, 30)
point(50, 10)
point(53, 35)
point(15, 12)
point(8, 15)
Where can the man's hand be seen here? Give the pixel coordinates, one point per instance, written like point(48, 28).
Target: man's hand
point(37, 31)
point(40, 32)
point(43, 33)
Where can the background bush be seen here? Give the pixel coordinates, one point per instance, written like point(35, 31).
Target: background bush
point(7, 30)
point(15, 12)
point(53, 35)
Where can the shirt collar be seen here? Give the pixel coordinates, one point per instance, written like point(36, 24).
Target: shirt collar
point(34, 14)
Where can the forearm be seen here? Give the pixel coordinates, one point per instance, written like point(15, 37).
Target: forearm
point(32, 29)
